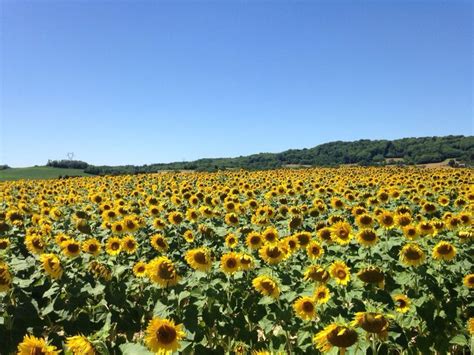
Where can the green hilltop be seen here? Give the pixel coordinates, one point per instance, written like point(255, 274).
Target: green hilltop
point(406, 151)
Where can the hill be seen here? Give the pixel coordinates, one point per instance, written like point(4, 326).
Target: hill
point(422, 150)
point(38, 172)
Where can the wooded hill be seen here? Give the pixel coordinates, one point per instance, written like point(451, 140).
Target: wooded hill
point(362, 152)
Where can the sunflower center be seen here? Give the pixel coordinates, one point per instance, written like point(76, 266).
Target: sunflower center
point(166, 334)
point(341, 274)
point(231, 263)
point(93, 248)
point(38, 351)
point(445, 249)
point(200, 258)
point(267, 286)
point(412, 254)
point(73, 248)
point(130, 244)
point(342, 337)
point(369, 236)
point(401, 303)
point(37, 243)
point(166, 271)
point(273, 253)
point(308, 307)
point(115, 246)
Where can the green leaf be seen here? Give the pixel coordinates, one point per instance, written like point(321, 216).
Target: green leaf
point(266, 300)
point(160, 309)
point(134, 349)
point(459, 340)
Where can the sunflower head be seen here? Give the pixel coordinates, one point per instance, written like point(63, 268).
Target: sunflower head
point(80, 345)
point(199, 259)
point(367, 237)
point(371, 322)
point(402, 303)
point(444, 251)
point(468, 281)
point(266, 286)
point(340, 272)
point(272, 254)
point(316, 273)
point(33, 345)
point(163, 335)
point(5, 277)
point(305, 307)
point(337, 335)
point(322, 294)
point(162, 271)
point(412, 255)
point(139, 269)
point(341, 232)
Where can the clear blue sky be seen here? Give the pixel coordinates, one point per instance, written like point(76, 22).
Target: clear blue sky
point(142, 82)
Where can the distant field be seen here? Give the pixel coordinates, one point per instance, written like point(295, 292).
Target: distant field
point(40, 172)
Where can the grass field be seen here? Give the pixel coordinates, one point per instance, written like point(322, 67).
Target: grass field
point(38, 172)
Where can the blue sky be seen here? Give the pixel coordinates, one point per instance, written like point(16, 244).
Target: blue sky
point(136, 82)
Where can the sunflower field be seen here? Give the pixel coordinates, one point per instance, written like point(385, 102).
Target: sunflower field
point(350, 260)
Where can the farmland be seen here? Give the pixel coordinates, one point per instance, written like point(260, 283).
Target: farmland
point(351, 259)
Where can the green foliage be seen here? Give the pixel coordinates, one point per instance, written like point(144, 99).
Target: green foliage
point(362, 152)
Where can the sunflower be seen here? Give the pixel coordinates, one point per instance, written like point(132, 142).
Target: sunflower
point(364, 220)
point(291, 243)
point(412, 255)
point(231, 240)
point(131, 224)
point(230, 262)
point(71, 248)
point(410, 232)
point(337, 335)
point(470, 326)
point(403, 219)
point(199, 259)
point(425, 228)
point(322, 294)
point(162, 271)
point(305, 308)
point(266, 286)
point(188, 236)
point(231, 219)
point(316, 273)
point(340, 272)
point(80, 345)
point(192, 214)
point(175, 218)
point(272, 254)
point(163, 335)
point(444, 251)
point(5, 277)
point(92, 246)
point(314, 250)
point(371, 322)
point(341, 232)
point(35, 243)
point(159, 223)
point(129, 244)
point(367, 237)
point(371, 275)
point(159, 243)
point(118, 227)
point(324, 234)
point(402, 303)
point(303, 238)
point(100, 270)
point(386, 220)
point(139, 269)
point(51, 265)
point(4, 243)
point(468, 281)
point(270, 235)
point(33, 345)
point(246, 261)
point(113, 246)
